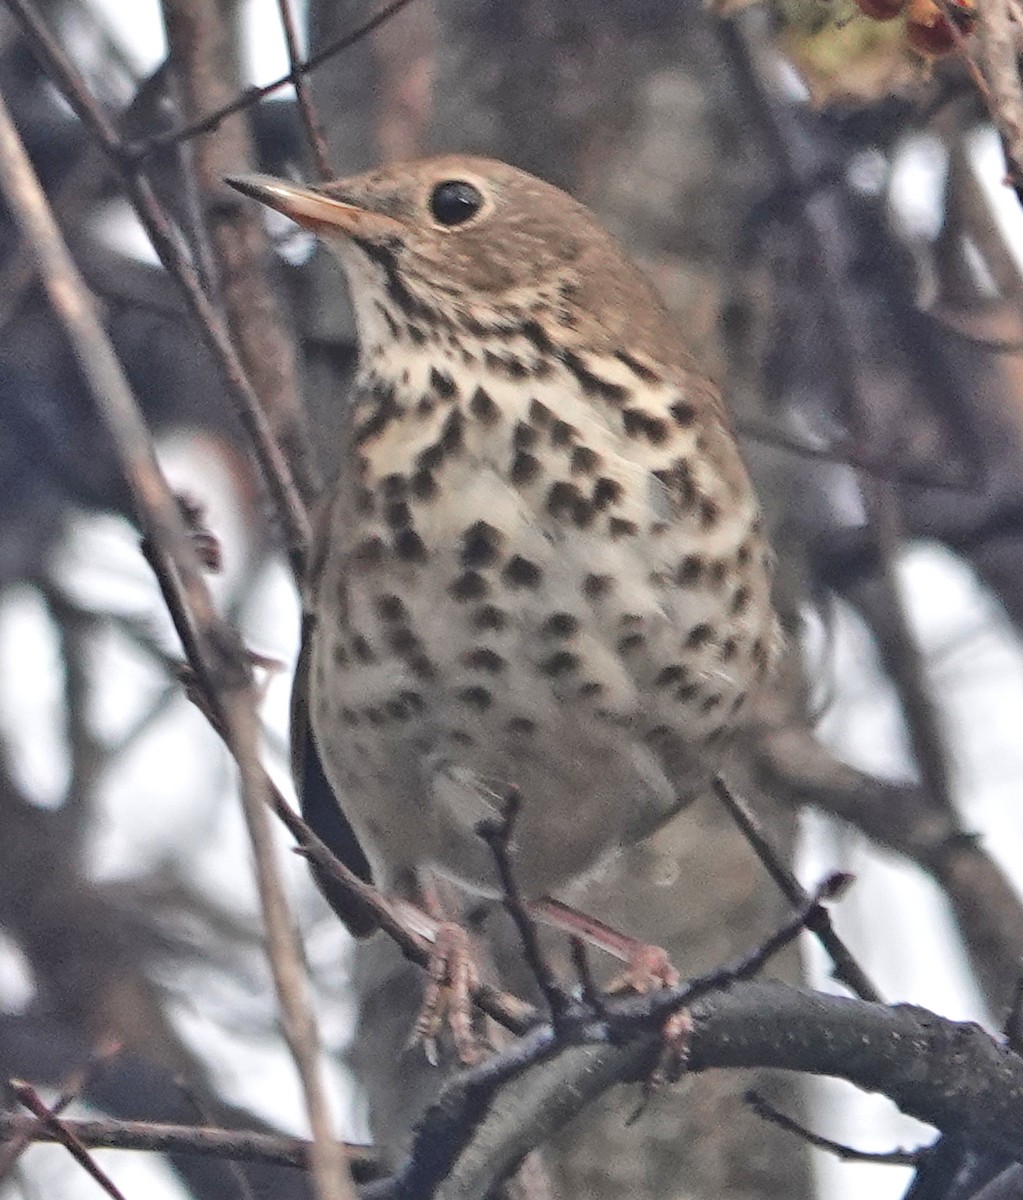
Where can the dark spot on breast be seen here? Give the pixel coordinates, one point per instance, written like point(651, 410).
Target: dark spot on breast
point(595, 586)
point(590, 690)
point(365, 502)
point(534, 333)
point(442, 383)
point(430, 458)
point(391, 608)
point(744, 555)
point(741, 600)
point(394, 486)
point(480, 545)
point(388, 320)
point(711, 702)
point(729, 649)
point(423, 485)
point(563, 498)
point(583, 513)
point(398, 514)
point(482, 658)
point(678, 479)
point(561, 433)
point(483, 407)
point(370, 552)
point(398, 709)
point(688, 691)
point(619, 527)
point(341, 656)
point(416, 335)
point(403, 641)
point(524, 468)
point(451, 434)
point(584, 460)
point(426, 405)
point(362, 650)
point(690, 571)
point(470, 585)
point(525, 436)
point(520, 572)
point(669, 676)
point(760, 655)
point(699, 635)
point(631, 641)
point(638, 423)
point(374, 715)
point(716, 573)
point(422, 668)
point(476, 697)
point(606, 492)
point(559, 663)
point(521, 725)
point(640, 370)
point(539, 413)
point(560, 625)
point(489, 617)
point(350, 717)
point(409, 546)
point(710, 512)
point(591, 383)
point(461, 737)
point(383, 410)
point(683, 412)
point(505, 364)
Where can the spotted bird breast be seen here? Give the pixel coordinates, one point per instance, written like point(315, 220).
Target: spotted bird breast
point(556, 584)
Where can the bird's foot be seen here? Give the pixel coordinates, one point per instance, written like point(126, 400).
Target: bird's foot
point(647, 968)
point(452, 975)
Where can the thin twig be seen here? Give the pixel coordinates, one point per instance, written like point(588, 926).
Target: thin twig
point(893, 1158)
point(219, 661)
point(307, 112)
point(62, 1134)
point(251, 95)
point(846, 969)
point(13, 1145)
point(173, 255)
point(497, 834)
point(237, 1145)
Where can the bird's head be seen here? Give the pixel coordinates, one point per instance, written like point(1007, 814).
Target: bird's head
point(460, 241)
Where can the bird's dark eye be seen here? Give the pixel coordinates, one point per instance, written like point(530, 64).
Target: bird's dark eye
point(454, 201)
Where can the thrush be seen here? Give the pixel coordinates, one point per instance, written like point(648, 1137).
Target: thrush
point(542, 566)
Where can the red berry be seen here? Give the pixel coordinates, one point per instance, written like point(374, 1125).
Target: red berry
point(927, 29)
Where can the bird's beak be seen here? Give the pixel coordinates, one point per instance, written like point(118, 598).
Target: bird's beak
point(314, 209)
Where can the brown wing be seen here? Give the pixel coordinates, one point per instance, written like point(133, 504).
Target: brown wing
point(321, 810)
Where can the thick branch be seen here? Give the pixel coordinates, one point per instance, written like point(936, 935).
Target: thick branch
point(951, 1075)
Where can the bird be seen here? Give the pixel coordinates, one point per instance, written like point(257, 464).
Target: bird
point(542, 566)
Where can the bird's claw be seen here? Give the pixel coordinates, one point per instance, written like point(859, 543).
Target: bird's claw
point(452, 976)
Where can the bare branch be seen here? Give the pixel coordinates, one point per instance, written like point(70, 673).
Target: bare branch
point(252, 94)
point(167, 244)
point(221, 666)
point(313, 128)
point(237, 1145)
point(61, 1134)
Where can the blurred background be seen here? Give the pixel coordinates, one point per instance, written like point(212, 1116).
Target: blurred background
point(825, 211)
